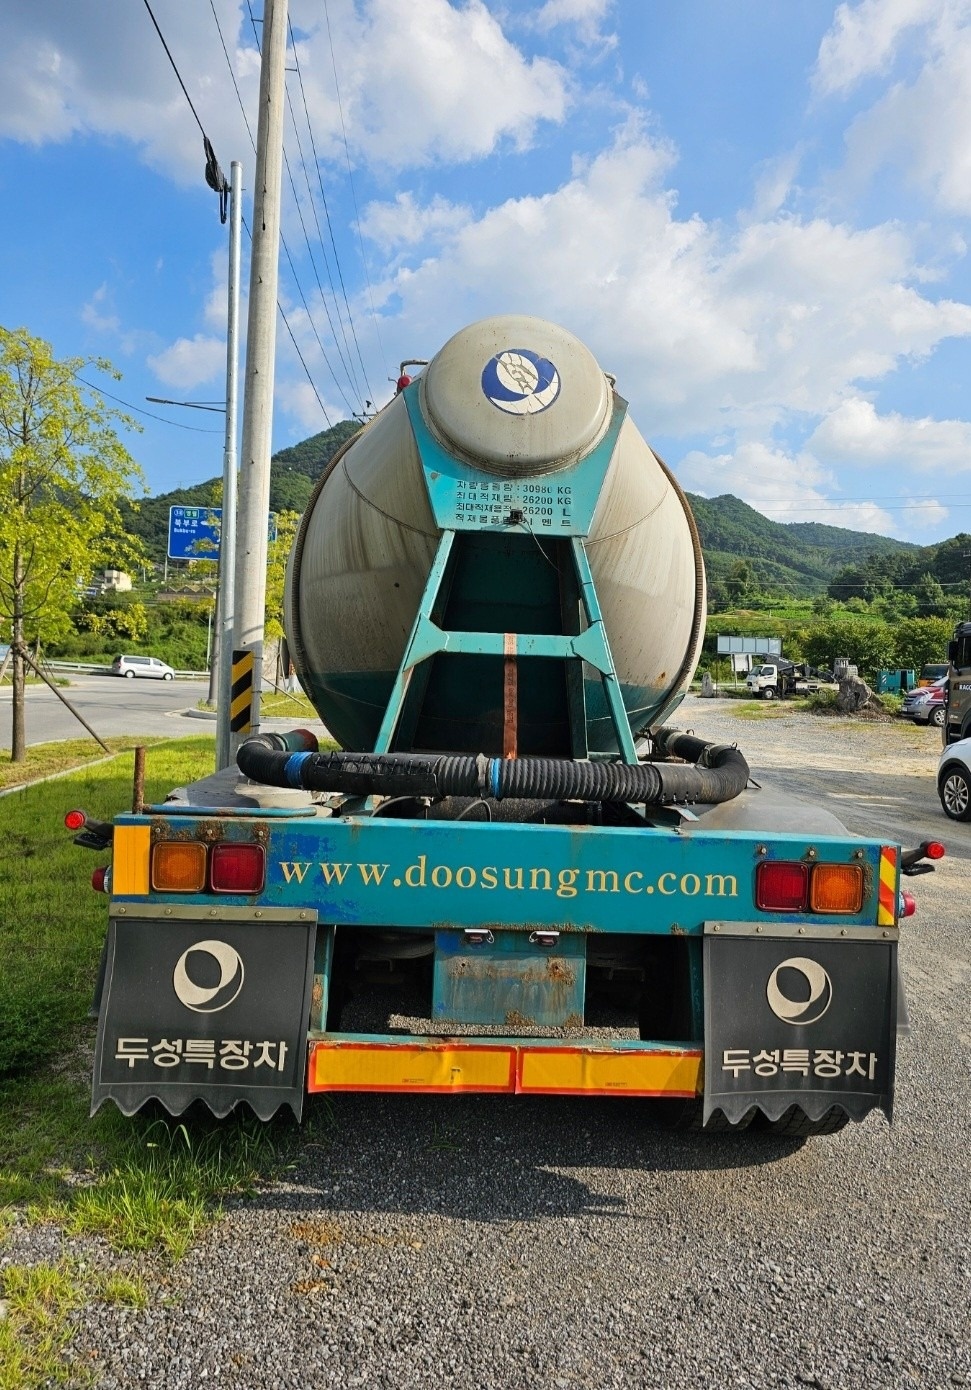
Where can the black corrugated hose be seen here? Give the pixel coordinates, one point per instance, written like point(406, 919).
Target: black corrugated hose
point(717, 773)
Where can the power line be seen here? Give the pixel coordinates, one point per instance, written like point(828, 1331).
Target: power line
point(330, 229)
point(232, 74)
point(286, 321)
point(357, 215)
point(286, 249)
point(168, 54)
point(215, 177)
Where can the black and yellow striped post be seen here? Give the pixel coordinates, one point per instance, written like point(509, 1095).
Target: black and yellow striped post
point(241, 701)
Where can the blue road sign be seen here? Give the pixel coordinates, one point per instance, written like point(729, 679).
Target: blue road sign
point(194, 532)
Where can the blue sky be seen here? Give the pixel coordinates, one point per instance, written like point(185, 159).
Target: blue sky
point(754, 213)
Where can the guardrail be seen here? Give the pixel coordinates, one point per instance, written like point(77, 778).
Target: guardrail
point(91, 668)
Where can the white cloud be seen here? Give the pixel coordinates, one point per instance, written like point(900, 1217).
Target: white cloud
point(855, 434)
point(923, 127)
point(920, 123)
point(93, 313)
point(76, 69)
point(417, 82)
point(785, 487)
point(404, 223)
point(774, 185)
point(298, 398)
point(707, 327)
point(864, 39)
point(190, 362)
point(427, 82)
point(586, 17)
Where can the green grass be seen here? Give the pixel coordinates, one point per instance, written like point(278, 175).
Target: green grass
point(53, 925)
point(48, 759)
point(279, 705)
point(40, 1300)
point(150, 1182)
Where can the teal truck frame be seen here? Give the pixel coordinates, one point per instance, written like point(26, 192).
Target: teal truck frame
point(737, 961)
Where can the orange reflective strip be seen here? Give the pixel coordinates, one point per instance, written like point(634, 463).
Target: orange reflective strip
point(438, 1067)
point(457, 1066)
point(887, 891)
point(130, 849)
point(578, 1072)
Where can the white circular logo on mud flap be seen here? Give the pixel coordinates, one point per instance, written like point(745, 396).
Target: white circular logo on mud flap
point(209, 998)
point(797, 1011)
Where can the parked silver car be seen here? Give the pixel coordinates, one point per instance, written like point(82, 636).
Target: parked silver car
point(150, 666)
point(927, 704)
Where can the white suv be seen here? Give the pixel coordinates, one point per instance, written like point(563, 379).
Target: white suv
point(150, 666)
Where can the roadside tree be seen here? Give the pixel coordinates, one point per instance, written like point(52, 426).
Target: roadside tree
point(63, 470)
point(278, 554)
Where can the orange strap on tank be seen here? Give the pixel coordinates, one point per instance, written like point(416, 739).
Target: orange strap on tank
point(510, 698)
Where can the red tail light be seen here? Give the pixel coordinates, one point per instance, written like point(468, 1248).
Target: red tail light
point(237, 868)
point(908, 904)
point(934, 849)
point(75, 820)
point(781, 887)
point(101, 880)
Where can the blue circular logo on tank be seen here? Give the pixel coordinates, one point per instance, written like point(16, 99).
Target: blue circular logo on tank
point(520, 382)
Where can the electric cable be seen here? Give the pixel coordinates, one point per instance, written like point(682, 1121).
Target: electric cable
point(215, 177)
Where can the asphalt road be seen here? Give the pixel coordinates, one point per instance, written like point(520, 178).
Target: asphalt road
point(476, 1242)
point(111, 705)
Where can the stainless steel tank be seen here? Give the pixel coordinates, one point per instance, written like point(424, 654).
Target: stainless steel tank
point(509, 398)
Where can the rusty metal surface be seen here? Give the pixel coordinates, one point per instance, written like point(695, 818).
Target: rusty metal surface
point(138, 782)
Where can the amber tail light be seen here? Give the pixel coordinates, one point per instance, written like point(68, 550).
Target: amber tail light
point(178, 867)
point(836, 888)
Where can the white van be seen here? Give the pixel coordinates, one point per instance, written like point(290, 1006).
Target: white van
point(150, 666)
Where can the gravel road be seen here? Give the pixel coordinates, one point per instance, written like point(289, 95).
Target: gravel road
point(491, 1242)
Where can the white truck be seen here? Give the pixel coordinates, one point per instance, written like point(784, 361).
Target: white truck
point(777, 679)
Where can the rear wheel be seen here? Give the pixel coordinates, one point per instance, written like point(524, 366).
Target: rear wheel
point(796, 1124)
point(129, 675)
point(687, 1115)
point(954, 789)
point(167, 676)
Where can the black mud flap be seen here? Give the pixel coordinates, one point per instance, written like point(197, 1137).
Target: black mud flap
point(208, 1005)
point(800, 1017)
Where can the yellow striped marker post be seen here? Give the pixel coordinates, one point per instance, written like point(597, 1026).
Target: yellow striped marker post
point(241, 701)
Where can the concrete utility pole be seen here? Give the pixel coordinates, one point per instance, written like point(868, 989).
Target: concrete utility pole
point(254, 474)
point(227, 534)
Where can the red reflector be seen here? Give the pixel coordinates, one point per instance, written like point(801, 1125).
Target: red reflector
point(74, 820)
point(935, 850)
point(781, 887)
point(99, 880)
point(909, 904)
point(238, 868)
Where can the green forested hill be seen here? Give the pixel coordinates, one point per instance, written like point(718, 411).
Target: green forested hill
point(293, 473)
point(798, 558)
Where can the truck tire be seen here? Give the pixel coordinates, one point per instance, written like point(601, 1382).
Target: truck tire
point(768, 693)
point(687, 1115)
point(795, 1123)
point(954, 789)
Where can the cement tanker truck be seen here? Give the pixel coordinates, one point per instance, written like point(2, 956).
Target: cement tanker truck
point(514, 874)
